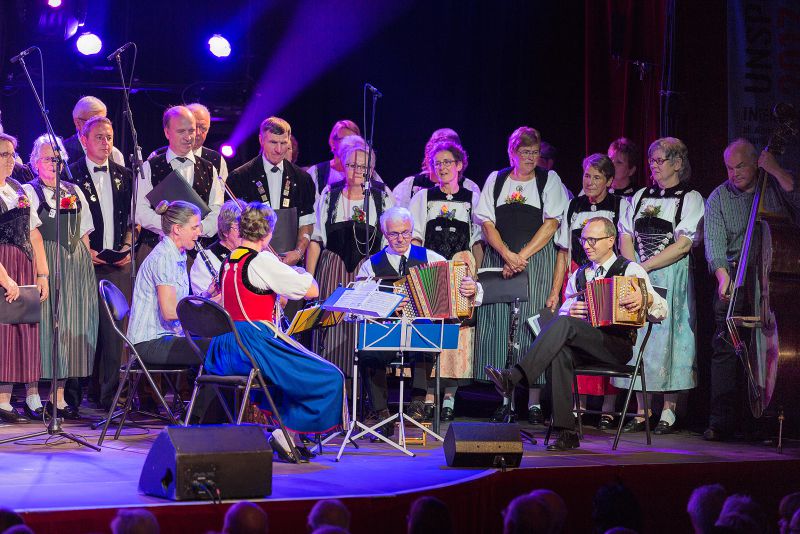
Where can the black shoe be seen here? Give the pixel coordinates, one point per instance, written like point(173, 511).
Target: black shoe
point(501, 378)
point(416, 410)
point(567, 439)
point(503, 414)
point(606, 423)
point(663, 428)
point(429, 412)
point(634, 425)
point(13, 416)
point(283, 454)
point(712, 434)
point(446, 415)
point(535, 416)
point(70, 413)
point(305, 452)
point(30, 413)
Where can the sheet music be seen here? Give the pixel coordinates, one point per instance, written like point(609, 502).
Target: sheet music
point(363, 299)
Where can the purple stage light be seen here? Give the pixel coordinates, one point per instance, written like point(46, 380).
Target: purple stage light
point(89, 44)
point(227, 150)
point(219, 46)
point(321, 34)
point(54, 3)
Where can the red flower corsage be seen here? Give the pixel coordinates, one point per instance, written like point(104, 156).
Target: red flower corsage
point(23, 202)
point(69, 202)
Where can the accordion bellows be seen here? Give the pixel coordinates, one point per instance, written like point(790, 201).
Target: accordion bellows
point(602, 300)
point(432, 290)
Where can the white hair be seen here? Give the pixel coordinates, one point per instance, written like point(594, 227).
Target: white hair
point(396, 214)
point(88, 105)
point(42, 140)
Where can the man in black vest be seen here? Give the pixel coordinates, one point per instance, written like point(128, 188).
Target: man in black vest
point(273, 179)
point(202, 119)
point(570, 338)
point(179, 129)
point(394, 261)
point(107, 188)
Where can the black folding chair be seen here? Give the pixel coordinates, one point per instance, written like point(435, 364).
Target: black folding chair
point(206, 319)
point(612, 371)
point(117, 308)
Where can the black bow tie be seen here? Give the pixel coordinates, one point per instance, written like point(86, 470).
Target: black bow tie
point(104, 168)
point(275, 169)
point(181, 159)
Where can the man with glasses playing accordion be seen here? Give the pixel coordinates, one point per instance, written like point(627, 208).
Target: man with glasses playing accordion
point(571, 338)
point(394, 261)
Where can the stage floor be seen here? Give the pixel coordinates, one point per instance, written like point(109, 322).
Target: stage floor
point(49, 474)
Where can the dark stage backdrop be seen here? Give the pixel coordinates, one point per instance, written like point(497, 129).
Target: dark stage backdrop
point(482, 68)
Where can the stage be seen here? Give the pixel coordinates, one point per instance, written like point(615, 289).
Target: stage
point(61, 487)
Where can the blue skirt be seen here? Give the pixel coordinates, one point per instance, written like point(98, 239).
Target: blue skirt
point(308, 390)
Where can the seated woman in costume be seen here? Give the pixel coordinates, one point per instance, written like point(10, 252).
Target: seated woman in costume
point(311, 389)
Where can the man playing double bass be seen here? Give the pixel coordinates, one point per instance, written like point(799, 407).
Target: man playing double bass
point(726, 218)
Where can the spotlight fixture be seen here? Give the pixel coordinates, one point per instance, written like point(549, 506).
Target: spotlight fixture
point(227, 150)
point(219, 46)
point(54, 3)
point(89, 44)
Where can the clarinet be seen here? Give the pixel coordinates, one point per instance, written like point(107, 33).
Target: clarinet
point(202, 253)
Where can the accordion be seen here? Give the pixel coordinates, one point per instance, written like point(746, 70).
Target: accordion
point(602, 300)
point(432, 291)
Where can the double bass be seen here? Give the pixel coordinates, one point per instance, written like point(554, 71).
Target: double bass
point(764, 292)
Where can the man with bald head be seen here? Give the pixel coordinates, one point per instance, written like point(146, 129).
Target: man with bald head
point(86, 108)
point(726, 217)
point(202, 119)
point(179, 129)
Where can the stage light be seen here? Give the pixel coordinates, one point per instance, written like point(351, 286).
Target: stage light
point(227, 150)
point(219, 46)
point(89, 44)
point(54, 3)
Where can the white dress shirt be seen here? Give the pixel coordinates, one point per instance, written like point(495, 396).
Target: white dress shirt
point(275, 183)
point(146, 215)
point(656, 312)
point(105, 196)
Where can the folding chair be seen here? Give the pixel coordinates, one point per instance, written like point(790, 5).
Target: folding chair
point(117, 308)
point(206, 319)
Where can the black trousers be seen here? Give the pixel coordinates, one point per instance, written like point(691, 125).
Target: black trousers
point(726, 375)
point(108, 354)
point(565, 342)
point(374, 365)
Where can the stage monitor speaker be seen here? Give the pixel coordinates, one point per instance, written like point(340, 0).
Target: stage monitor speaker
point(192, 463)
point(483, 445)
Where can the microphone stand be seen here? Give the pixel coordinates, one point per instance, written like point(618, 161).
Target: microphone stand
point(368, 175)
point(54, 427)
point(136, 159)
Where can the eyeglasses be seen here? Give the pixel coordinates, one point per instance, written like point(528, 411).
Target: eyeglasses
point(592, 241)
point(394, 235)
point(657, 161)
point(357, 168)
point(526, 153)
point(7, 155)
point(49, 160)
point(444, 164)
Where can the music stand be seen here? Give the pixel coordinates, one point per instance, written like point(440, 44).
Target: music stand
point(512, 291)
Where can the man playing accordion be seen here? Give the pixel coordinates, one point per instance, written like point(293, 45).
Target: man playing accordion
point(571, 339)
point(394, 261)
